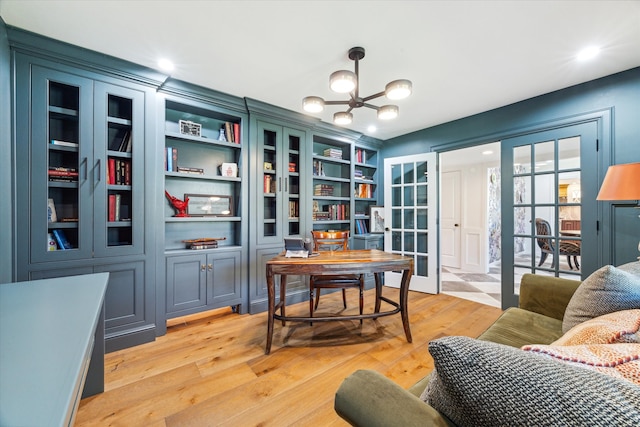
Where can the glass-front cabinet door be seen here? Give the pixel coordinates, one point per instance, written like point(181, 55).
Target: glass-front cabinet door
point(61, 167)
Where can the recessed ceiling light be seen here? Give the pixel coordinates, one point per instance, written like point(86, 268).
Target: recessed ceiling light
point(588, 53)
point(487, 152)
point(165, 64)
point(372, 128)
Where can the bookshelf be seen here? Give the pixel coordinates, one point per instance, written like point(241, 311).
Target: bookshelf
point(332, 183)
point(203, 159)
point(365, 186)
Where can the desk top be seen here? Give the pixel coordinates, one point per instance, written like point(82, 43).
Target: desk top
point(352, 261)
point(46, 337)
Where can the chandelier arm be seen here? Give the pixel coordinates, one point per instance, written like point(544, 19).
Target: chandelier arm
point(374, 107)
point(375, 95)
point(336, 102)
point(349, 109)
point(356, 92)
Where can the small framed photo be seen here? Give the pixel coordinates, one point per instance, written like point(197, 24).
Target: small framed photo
point(190, 128)
point(229, 169)
point(209, 205)
point(376, 219)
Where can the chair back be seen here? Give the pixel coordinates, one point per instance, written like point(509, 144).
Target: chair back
point(330, 240)
point(543, 228)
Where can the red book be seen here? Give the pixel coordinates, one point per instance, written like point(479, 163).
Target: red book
point(236, 133)
point(112, 208)
point(111, 176)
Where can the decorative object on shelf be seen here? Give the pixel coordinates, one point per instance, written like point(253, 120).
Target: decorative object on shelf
point(268, 166)
point(51, 243)
point(180, 205)
point(209, 205)
point(621, 183)
point(229, 169)
point(190, 128)
point(345, 81)
point(221, 135)
point(376, 218)
point(51, 211)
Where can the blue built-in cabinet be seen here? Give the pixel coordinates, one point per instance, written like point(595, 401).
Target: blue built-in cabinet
point(85, 149)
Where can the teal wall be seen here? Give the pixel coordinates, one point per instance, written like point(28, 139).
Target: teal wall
point(616, 96)
point(6, 206)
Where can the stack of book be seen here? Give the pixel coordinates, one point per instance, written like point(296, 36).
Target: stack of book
point(334, 153)
point(361, 226)
point(203, 243)
point(119, 172)
point(364, 191)
point(361, 155)
point(196, 171)
point(232, 132)
point(62, 174)
point(323, 190)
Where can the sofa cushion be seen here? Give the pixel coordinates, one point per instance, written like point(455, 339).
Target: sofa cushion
point(478, 383)
point(617, 360)
point(618, 327)
point(606, 290)
point(517, 327)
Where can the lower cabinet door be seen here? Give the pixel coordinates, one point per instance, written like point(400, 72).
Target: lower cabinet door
point(186, 283)
point(223, 279)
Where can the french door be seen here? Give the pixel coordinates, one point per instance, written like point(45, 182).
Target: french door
point(549, 219)
point(410, 211)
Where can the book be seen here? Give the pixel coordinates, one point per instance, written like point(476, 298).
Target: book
point(111, 208)
point(169, 159)
point(61, 239)
point(64, 143)
point(51, 211)
point(236, 133)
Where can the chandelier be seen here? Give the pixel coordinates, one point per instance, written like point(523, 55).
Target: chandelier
point(345, 81)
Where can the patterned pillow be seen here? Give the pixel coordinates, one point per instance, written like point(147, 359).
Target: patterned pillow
point(480, 383)
point(607, 290)
point(619, 327)
point(616, 360)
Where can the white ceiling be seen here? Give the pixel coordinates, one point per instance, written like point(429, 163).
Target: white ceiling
point(463, 57)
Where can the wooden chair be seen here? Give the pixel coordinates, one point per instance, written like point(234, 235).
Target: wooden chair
point(570, 248)
point(333, 240)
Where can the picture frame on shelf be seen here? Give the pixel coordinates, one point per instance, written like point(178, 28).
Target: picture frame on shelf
point(376, 219)
point(190, 128)
point(209, 205)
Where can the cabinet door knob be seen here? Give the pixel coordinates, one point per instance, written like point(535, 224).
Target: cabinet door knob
point(203, 267)
point(210, 267)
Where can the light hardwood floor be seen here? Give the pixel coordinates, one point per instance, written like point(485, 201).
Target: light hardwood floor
point(212, 371)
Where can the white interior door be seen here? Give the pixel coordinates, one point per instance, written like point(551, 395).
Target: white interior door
point(450, 219)
point(410, 210)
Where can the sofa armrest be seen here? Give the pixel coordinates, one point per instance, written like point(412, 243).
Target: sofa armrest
point(368, 398)
point(546, 295)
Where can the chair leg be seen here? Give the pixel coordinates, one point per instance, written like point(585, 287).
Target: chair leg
point(344, 298)
point(575, 260)
point(569, 262)
point(311, 304)
point(543, 257)
point(317, 297)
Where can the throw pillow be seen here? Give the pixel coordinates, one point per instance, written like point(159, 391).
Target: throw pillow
point(480, 383)
point(607, 290)
point(618, 327)
point(617, 360)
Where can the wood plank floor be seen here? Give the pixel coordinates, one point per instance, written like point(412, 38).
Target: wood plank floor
point(212, 371)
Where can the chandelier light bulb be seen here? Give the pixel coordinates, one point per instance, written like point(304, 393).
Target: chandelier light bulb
point(388, 112)
point(313, 104)
point(342, 118)
point(398, 89)
point(343, 81)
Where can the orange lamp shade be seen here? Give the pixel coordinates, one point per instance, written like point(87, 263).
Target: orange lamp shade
point(622, 182)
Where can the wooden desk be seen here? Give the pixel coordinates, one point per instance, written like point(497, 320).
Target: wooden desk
point(570, 233)
point(47, 330)
point(339, 262)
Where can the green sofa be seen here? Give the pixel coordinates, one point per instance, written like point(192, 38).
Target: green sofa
point(368, 398)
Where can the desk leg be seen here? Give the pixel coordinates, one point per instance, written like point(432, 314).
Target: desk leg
point(283, 296)
point(271, 292)
point(378, 279)
point(404, 296)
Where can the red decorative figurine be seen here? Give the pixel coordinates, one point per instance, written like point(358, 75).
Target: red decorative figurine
point(179, 205)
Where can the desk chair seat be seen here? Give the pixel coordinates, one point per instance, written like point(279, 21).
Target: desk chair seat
point(336, 241)
point(570, 248)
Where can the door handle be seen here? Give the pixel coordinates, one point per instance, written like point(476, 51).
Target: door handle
point(456, 225)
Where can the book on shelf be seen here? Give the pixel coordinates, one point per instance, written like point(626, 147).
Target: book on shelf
point(203, 242)
point(269, 184)
point(236, 133)
point(294, 209)
point(318, 169)
point(361, 155)
point(61, 240)
point(185, 169)
point(51, 211)
point(335, 153)
point(364, 191)
point(323, 190)
point(64, 143)
point(121, 142)
point(361, 226)
point(118, 172)
point(171, 159)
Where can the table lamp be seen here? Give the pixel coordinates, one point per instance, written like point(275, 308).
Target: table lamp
point(622, 182)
